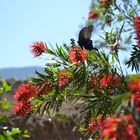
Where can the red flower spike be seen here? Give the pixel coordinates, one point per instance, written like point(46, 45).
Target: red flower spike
point(93, 15)
point(137, 29)
point(121, 127)
point(64, 77)
point(100, 123)
point(109, 132)
point(109, 79)
point(104, 1)
point(134, 85)
point(77, 55)
point(22, 108)
point(115, 127)
point(136, 99)
point(92, 125)
point(130, 129)
point(37, 48)
point(25, 92)
point(94, 81)
point(107, 2)
point(129, 118)
point(95, 125)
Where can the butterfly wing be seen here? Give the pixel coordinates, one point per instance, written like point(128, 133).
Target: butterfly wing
point(85, 33)
point(84, 38)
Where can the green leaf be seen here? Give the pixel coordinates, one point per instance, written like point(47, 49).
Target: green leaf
point(4, 104)
point(26, 135)
point(36, 80)
point(8, 135)
point(3, 118)
point(15, 131)
point(42, 76)
point(120, 18)
point(119, 35)
point(132, 11)
point(134, 61)
point(5, 87)
point(10, 138)
point(2, 137)
point(119, 100)
point(134, 77)
point(121, 97)
point(52, 70)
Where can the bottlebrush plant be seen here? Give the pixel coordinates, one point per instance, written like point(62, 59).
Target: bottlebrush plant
point(8, 132)
point(96, 76)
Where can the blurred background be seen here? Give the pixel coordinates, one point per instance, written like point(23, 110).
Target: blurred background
point(24, 22)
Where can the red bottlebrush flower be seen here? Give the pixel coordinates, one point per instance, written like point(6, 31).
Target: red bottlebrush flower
point(77, 55)
point(109, 122)
point(25, 92)
point(38, 48)
point(95, 125)
point(130, 129)
point(134, 85)
point(122, 127)
point(137, 28)
point(22, 108)
point(136, 99)
point(63, 77)
point(138, 108)
point(109, 132)
point(106, 80)
point(115, 127)
point(100, 123)
point(92, 125)
point(93, 15)
point(94, 81)
point(109, 79)
point(116, 80)
point(104, 1)
point(107, 2)
point(128, 118)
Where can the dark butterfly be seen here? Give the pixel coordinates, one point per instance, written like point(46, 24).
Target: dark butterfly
point(84, 38)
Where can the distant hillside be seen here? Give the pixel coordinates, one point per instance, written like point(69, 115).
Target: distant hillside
point(19, 73)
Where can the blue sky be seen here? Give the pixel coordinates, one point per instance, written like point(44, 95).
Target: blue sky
point(25, 21)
